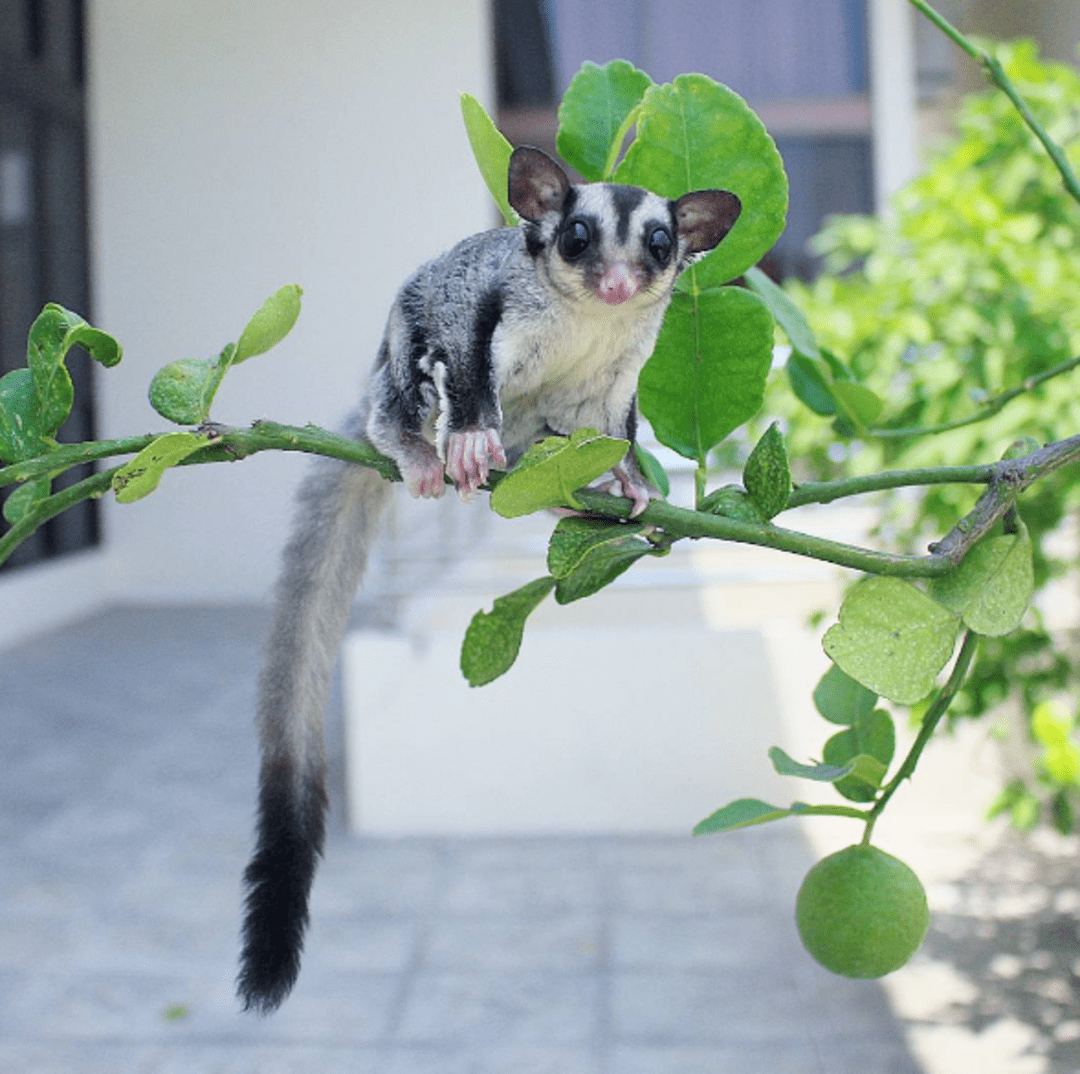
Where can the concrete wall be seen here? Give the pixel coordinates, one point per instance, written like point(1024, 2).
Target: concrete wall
point(238, 145)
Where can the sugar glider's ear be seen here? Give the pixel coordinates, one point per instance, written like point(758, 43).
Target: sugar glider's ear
point(704, 217)
point(536, 185)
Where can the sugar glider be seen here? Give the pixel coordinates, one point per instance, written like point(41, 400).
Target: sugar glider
point(514, 334)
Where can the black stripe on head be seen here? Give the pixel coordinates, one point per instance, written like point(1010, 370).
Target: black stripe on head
point(625, 199)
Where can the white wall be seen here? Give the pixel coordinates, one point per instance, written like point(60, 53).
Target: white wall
point(238, 145)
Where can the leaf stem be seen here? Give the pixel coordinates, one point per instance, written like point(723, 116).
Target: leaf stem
point(930, 722)
point(996, 73)
point(988, 408)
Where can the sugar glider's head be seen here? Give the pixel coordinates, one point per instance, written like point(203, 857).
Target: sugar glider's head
point(614, 243)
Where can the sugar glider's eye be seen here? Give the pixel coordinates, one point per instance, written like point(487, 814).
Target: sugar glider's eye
point(660, 245)
point(574, 240)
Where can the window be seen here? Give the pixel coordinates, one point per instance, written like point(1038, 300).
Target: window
point(802, 66)
point(43, 215)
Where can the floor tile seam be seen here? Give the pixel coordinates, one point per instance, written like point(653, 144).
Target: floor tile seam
point(426, 916)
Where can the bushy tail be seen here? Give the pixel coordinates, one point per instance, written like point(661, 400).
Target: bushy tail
point(338, 512)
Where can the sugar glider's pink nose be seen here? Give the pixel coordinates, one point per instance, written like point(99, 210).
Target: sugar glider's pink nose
point(617, 284)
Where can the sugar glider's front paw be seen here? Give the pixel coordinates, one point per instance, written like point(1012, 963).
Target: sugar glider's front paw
point(424, 478)
point(470, 456)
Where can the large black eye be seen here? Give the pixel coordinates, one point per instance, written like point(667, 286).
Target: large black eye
point(574, 240)
point(660, 245)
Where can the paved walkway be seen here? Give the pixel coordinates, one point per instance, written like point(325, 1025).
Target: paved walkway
point(125, 808)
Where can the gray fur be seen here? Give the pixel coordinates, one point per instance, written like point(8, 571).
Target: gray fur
point(511, 335)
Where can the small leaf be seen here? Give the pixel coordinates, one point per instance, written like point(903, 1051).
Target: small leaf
point(143, 474)
point(492, 152)
point(593, 110)
point(25, 498)
point(600, 567)
point(743, 813)
point(707, 374)
point(574, 538)
point(861, 406)
point(991, 587)
point(732, 501)
point(651, 469)
point(892, 638)
point(787, 315)
point(868, 747)
point(766, 475)
point(272, 322)
point(550, 472)
point(493, 639)
point(821, 773)
point(840, 699)
point(182, 391)
point(20, 435)
point(810, 385)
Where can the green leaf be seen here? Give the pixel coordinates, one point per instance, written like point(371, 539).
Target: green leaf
point(695, 134)
point(840, 699)
point(868, 747)
point(20, 435)
point(550, 472)
point(600, 566)
point(651, 469)
point(1052, 727)
point(767, 475)
point(493, 639)
point(743, 813)
point(25, 498)
point(573, 539)
point(182, 391)
point(991, 588)
point(492, 152)
point(143, 474)
point(732, 501)
point(787, 315)
point(810, 385)
point(593, 110)
point(272, 322)
point(892, 638)
point(707, 374)
point(861, 406)
point(821, 773)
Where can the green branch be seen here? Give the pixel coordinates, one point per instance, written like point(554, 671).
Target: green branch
point(930, 722)
point(997, 75)
point(988, 408)
point(815, 492)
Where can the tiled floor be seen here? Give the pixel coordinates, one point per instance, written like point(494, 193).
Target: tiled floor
point(126, 788)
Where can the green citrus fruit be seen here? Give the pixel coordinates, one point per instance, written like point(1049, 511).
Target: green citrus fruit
point(861, 912)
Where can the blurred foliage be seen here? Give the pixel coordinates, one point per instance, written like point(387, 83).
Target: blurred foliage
point(966, 289)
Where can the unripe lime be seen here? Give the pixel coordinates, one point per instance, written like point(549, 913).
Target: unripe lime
point(861, 912)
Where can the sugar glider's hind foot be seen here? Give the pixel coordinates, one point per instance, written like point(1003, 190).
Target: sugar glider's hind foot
point(470, 456)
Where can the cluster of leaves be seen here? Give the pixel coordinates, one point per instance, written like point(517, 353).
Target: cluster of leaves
point(960, 305)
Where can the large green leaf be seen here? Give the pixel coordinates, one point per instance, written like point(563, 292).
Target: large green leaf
point(892, 638)
point(594, 108)
point(992, 586)
point(695, 134)
point(707, 375)
point(20, 432)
